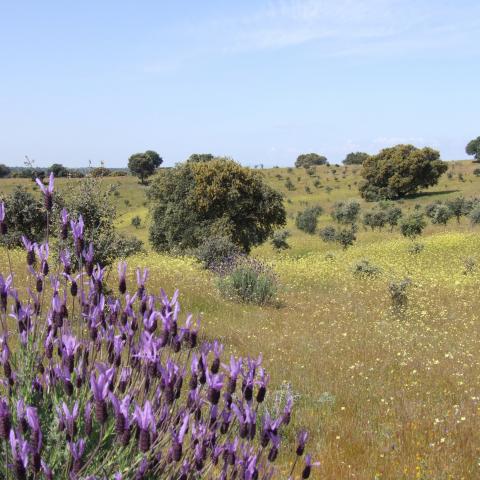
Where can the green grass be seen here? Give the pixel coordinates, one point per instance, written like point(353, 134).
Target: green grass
point(385, 393)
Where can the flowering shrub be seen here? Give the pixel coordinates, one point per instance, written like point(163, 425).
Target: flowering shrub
point(96, 386)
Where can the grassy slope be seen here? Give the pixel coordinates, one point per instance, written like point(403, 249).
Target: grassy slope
point(384, 396)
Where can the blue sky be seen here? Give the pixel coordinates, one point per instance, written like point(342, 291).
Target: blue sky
point(260, 81)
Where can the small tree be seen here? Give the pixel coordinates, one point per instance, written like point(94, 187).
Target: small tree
point(193, 201)
point(392, 216)
point(355, 158)
point(412, 226)
point(310, 159)
point(328, 234)
point(307, 220)
point(4, 171)
point(439, 213)
point(473, 148)
point(458, 207)
point(399, 171)
point(58, 170)
point(346, 213)
point(346, 237)
point(375, 219)
point(279, 240)
point(143, 165)
point(475, 215)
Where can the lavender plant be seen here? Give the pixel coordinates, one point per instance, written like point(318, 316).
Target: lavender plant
point(113, 387)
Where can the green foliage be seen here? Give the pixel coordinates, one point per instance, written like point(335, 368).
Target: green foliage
point(4, 171)
point(136, 221)
point(415, 248)
point(143, 165)
point(328, 234)
point(25, 216)
point(473, 148)
point(355, 158)
point(217, 251)
point(412, 226)
point(279, 240)
point(399, 171)
point(200, 157)
point(307, 220)
point(475, 215)
point(398, 293)
point(194, 201)
point(375, 219)
point(438, 213)
point(365, 269)
point(310, 159)
point(100, 172)
point(58, 170)
point(289, 184)
point(458, 207)
point(95, 204)
point(346, 237)
point(476, 172)
point(346, 213)
point(249, 282)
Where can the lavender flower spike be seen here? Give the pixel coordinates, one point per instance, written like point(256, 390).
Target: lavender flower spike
point(47, 191)
point(3, 225)
point(146, 423)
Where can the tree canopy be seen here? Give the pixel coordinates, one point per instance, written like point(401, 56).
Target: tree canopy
point(473, 148)
point(309, 159)
point(4, 171)
point(200, 157)
point(58, 170)
point(355, 158)
point(194, 201)
point(399, 171)
point(143, 165)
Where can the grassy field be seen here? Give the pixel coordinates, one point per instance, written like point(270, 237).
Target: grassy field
point(384, 395)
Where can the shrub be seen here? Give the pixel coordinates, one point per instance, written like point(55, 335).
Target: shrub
point(365, 269)
point(100, 172)
point(279, 240)
point(249, 281)
point(375, 219)
point(94, 204)
point(289, 185)
point(217, 251)
point(193, 201)
point(470, 265)
point(398, 292)
point(346, 237)
point(307, 220)
point(440, 214)
point(26, 217)
point(307, 160)
point(328, 234)
point(416, 248)
point(392, 216)
point(413, 225)
point(458, 207)
point(476, 172)
point(399, 171)
point(136, 221)
point(355, 158)
point(475, 215)
point(87, 390)
point(346, 213)
point(473, 148)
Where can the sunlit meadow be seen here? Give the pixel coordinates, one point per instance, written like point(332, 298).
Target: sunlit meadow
point(385, 393)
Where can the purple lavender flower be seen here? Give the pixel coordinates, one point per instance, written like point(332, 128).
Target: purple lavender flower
point(30, 248)
point(308, 466)
point(77, 232)
point(215, 385)
point(177, 440)
point(301, 441)
point(5, 290)
point(5, 419)
point(20, 453)
point(42, 251)
point(141, 280)
point(262, 384)
point(76, 450)
point(69, 349)
point(64, 228)
point(146, 424)
point(100, 391)
point(68, 419)
point(47, 191)
point(88, 256)
point(3, 225)
point(122, 277)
